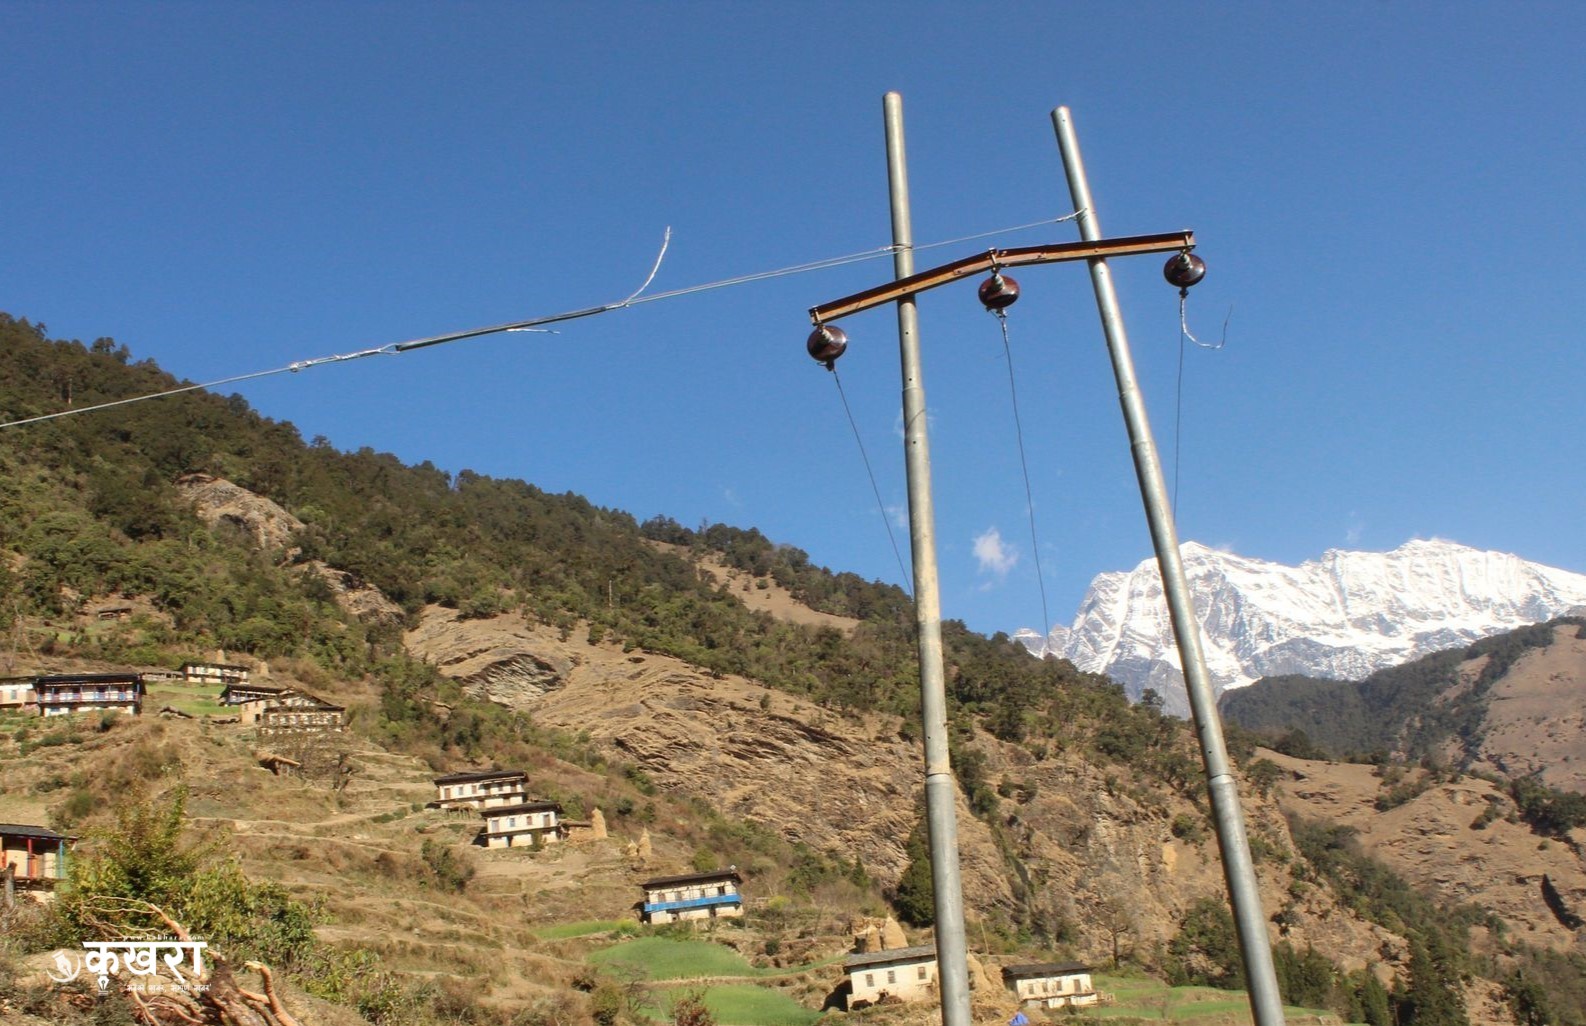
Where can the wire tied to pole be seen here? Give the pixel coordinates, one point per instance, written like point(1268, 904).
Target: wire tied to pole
point(1024, 464)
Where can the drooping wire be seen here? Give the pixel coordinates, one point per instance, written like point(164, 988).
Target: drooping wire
point(532, 324)
point(908, 583)
point(1178, 399)
point(1024, 465)
point(1178, 418)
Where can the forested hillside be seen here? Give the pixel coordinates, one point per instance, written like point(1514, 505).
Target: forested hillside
point(1421, 709)
point(91, 509)
point(91, 502)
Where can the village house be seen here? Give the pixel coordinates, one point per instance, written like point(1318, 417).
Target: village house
point(526, 824)
point(482, 789)
point(275, 710)
point(713, 895)
point(297, 712)
point(16, 692)
point(1051, 984)
point(905, 974)
point(241, 693)
point(88, 692)
point(32, 858)
point(215, 673)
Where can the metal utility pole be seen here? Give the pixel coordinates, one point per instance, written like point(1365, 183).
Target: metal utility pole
point(1238, 868)
point(952, 956)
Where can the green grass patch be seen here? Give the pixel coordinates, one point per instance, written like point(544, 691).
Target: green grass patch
point(193, 699)
point(661, 958)
point(737, 1004)
point(563, 931)
point(1137, 997)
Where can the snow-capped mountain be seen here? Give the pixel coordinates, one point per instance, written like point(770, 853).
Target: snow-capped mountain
point(1343, 616)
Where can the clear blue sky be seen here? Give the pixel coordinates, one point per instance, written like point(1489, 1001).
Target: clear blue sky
point(1388, 195)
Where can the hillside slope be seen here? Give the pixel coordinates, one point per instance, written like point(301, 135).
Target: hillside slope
point(1514, 704)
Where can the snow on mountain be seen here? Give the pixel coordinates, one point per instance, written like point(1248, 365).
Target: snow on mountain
point(1343, 616)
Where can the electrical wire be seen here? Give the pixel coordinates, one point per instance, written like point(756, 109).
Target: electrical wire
point(908, 584)
point(1024, 465)
point(397, 348)
point(1178, 397)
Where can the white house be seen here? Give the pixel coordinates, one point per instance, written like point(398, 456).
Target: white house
point(513, 826)
point(906, 974)
point(1051, 984)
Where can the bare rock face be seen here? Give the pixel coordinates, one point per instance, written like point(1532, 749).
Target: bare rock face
point(504, 659)
point(218, 501)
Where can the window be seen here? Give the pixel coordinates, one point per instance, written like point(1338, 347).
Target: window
point(892, 976)
point(922, 972)
point(870, 979)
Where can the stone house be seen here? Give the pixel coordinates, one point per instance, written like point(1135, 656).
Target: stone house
point(523, 825)
point(482, 789)
point(713, 895)
point(1051, 984)
point(906, 974)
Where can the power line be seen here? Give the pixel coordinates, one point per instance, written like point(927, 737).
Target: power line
point(532, 324)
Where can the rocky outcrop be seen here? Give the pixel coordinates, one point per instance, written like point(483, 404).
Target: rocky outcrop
point(504, 659)
point(218, 502)
point(359, 598)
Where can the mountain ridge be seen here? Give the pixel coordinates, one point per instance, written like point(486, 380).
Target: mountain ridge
point(1341, 616)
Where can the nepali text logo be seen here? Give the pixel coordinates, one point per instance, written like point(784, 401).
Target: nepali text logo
point(104, 959)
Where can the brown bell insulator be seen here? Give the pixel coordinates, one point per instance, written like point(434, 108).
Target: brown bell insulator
point(998, 292)
point(826, 343)
point(1184, 269)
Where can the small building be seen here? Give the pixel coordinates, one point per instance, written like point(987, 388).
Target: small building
point(114, 611)
point(225, 674)
point(904, 974)
point(713, 895)
point(88, 692)
point(523, 825)
point(16, 692)
point(482, 789)
point(1051, 984)
point(35, 855)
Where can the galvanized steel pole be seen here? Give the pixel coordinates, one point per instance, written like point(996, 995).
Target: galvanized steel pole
point(1238, 868)
point(940, 788)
